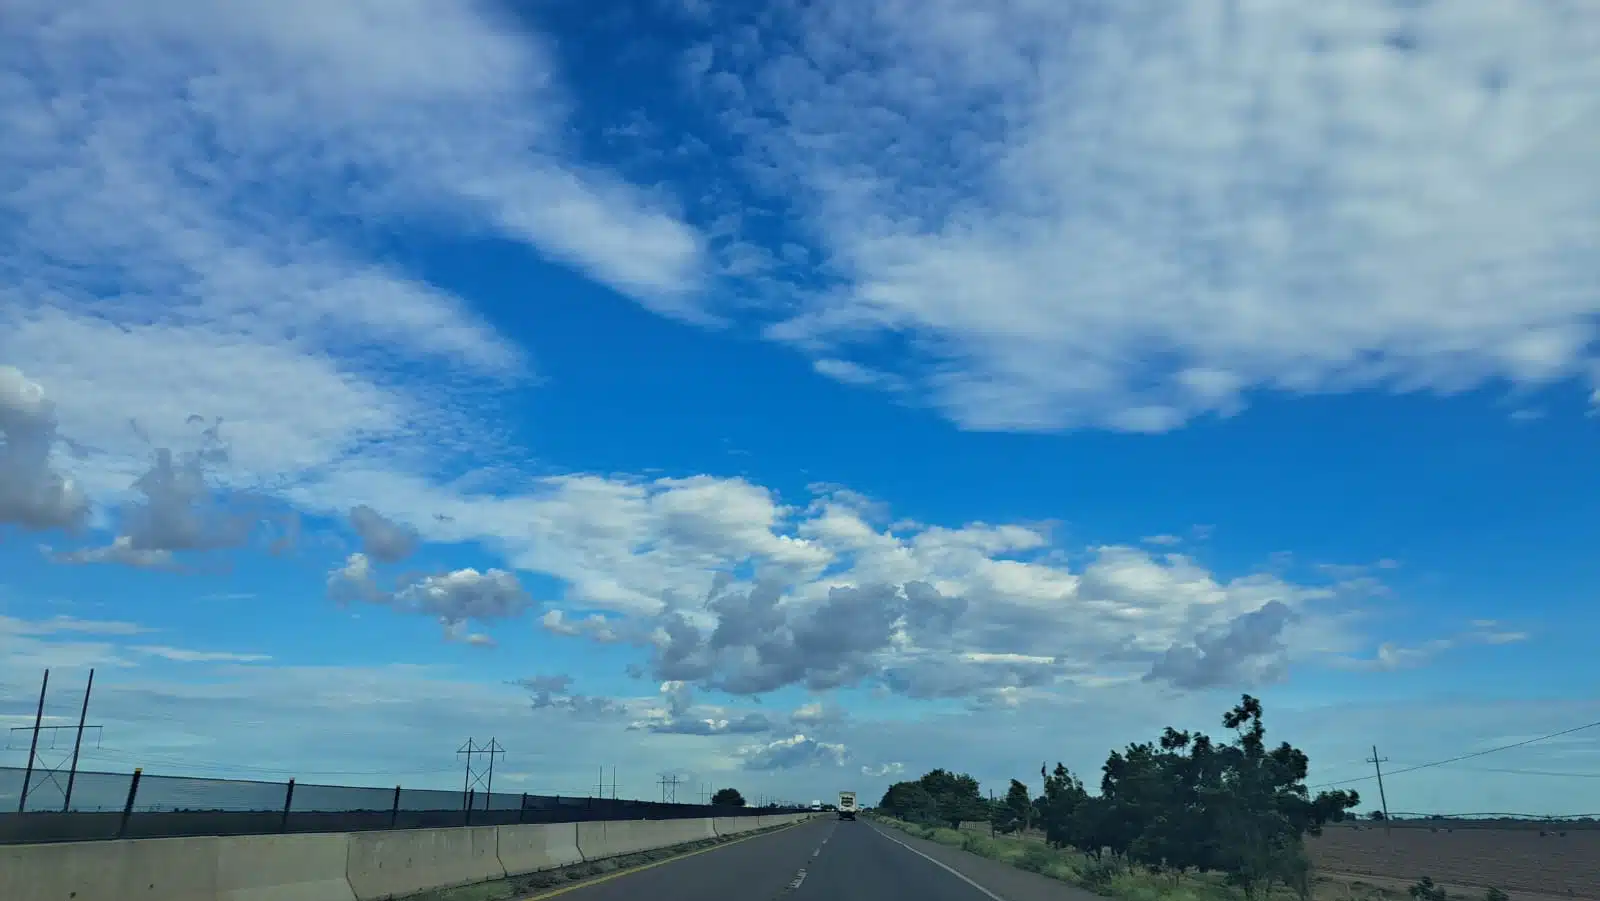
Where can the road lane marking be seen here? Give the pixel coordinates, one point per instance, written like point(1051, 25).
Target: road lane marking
point(948, 869)
point(618, 874)
point(798, 879)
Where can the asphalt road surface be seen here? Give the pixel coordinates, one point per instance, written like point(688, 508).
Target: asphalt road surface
point(829, 860)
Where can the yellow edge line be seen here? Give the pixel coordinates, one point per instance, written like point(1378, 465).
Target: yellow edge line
point(618, 874)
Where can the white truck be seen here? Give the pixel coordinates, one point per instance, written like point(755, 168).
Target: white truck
point(847, 805)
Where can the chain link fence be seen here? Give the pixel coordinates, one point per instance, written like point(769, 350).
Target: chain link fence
point(88, 806)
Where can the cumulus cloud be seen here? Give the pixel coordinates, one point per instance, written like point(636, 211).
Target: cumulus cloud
point(33, 494)
point(466, 594)
point(1249, 650)
point(1130, 217)
point(985, 612)
point(382, 539)
point(883, 770)
point(792, 753)
point(455, 598)
point(555, 693)
point(679, 715)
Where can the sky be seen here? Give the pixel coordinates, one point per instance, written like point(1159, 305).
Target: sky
point(800, 396)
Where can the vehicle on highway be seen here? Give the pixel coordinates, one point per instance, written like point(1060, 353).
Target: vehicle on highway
point(847, 805)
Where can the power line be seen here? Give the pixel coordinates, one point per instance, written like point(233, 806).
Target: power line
point(1424, 766)
point(1514, 772)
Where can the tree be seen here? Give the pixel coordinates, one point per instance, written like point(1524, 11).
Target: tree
point(910, 801)
point(727, 797)
point(1063, 794)
point(956, 795)
point(1263, 807)
point(1015, 812)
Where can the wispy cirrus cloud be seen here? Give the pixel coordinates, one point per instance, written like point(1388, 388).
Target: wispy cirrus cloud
point(1125, 215)
point(188, 201)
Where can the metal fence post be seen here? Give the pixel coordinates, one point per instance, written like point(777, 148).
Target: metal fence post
point(288, 802)
point(127, 807)
point(472, 797)
point(522, 812)
point(394, 811)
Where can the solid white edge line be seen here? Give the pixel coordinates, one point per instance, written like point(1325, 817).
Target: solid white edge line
point(953, 872)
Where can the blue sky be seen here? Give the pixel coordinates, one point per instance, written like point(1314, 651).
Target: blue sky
point(803, 396)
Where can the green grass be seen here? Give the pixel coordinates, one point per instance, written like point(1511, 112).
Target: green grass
point(1076, 868)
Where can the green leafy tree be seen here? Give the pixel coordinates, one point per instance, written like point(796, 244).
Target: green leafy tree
point(956, 795)
point(910, 801)
point(1014, 813)
point(1063, 794)
point(1264, 809)
point(727, 797)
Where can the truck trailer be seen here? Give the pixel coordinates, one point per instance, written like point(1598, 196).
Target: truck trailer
point(847, 805)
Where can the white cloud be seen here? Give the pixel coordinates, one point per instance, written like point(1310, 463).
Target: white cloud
point(984, 612)
point(555, 693)
point(33, 494)
point(190, 197)
point(381, 539)
point(466, 594)
point(595, 626)
point(183, 655)
point(1130, 218)
point(1391, 656)
point(792, 753)
point(1248, 651)
point(679, 715)
point(455, 598)
point(122, 552)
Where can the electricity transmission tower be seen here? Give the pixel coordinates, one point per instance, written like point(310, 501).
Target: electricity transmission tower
point(478, 775)
point(52, 771)
point(669, 784)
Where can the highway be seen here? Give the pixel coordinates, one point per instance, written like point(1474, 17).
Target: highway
point(827, 860)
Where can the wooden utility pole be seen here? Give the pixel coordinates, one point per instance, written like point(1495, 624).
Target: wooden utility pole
point(1377, 766)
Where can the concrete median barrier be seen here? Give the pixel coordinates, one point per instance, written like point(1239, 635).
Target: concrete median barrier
point(385, 865)
point(171, 869)
point(359, 866)
point(283, 868)
point(735, 825)
point(530, 849)
point(602, 839)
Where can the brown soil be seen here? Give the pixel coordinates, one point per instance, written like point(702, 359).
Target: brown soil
point(1530, 859)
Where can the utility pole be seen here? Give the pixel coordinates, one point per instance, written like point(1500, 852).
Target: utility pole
point(602, 783)
point(1377, 765)
point(613, 781)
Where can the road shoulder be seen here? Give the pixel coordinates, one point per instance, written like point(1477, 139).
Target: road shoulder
point(994, 876)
